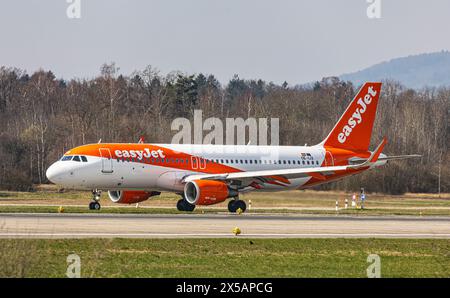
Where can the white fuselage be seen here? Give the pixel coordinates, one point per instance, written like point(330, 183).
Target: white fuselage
point(137, 174)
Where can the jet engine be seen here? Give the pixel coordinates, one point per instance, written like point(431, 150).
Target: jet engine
point(130, 196)
point(207, 192)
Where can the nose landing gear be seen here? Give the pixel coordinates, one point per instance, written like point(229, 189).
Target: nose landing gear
point(95, 204)
point(236, 204)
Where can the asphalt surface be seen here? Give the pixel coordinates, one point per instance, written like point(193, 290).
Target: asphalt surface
point(35, 225)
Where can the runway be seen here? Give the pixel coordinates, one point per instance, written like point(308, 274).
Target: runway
point(34, 225)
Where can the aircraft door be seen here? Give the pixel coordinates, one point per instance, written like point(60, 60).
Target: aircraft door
point(194, 162)
point(198, 163)
point(329, 160)
point(107, 162)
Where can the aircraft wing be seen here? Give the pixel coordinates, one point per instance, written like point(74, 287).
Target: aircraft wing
point(284, 174)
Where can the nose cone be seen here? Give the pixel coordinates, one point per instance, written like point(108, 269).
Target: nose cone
point(54, 173)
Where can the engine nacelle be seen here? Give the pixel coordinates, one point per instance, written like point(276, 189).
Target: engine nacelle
point(130, 196)
point(207, 192)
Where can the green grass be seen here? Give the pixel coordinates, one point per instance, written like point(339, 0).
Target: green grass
point(377, 204)
point(225, 257)
point(173, 210)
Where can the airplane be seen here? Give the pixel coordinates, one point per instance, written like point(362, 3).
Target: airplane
point(211, 174)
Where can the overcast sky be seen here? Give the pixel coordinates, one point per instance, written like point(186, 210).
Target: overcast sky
point(292, 40)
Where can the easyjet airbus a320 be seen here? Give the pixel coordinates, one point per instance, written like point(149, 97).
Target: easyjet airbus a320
point(210, 174)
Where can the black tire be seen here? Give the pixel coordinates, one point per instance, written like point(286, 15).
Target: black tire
point(189, 206)
point(232, 206)
point(96, 205)
point(91, 206)
point(183, 205)
point(241, 204)
point(180, 205)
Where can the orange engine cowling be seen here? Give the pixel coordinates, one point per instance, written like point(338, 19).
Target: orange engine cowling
point(207, 192)
point(130, 196)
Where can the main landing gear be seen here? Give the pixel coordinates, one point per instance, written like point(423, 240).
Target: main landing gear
point(95, 204)
point(183, 205)
point(236, 204)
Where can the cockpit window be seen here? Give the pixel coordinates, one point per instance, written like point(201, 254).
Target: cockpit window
point(66, 158)
point(76, 158)
point(83, 158)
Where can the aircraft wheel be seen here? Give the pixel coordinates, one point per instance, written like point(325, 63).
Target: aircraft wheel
point(241, 205)
point(180, 205)
point(183, 205)
point(94, 206)
point(234, 205)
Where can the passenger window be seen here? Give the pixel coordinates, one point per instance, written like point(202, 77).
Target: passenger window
point(76, 158)
point(83, 158)
point(251, 161)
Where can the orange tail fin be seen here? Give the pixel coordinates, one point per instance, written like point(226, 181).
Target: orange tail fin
point(354, 128)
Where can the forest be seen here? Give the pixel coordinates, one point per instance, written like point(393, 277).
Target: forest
point(42, 116)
